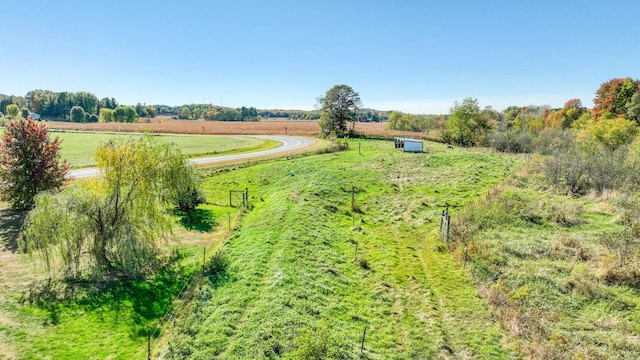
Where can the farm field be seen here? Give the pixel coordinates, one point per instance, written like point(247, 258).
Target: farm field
point(79, 148)
point(268, 127)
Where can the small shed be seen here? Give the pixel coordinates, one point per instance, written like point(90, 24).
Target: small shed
point(409, 145)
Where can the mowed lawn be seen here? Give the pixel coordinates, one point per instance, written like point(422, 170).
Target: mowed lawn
point(79, 148)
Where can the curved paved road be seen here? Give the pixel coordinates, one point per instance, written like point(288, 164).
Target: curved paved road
point(287, 143)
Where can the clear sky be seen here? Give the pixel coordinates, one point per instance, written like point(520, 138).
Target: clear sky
point(414, 56)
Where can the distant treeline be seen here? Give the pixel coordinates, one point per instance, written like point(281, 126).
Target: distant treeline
point(58, 106)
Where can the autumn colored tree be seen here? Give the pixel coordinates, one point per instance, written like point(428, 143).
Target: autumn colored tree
point(565, 117)
point(29, 162)
point(613, 96)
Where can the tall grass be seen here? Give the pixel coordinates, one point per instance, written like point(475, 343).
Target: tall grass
point(560, 272)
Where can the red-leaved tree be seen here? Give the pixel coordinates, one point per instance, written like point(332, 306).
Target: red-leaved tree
point(29, 163)
point(613, 96)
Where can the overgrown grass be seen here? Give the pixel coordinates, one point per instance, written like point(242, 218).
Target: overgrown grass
point(551, 269)
point(308, 270)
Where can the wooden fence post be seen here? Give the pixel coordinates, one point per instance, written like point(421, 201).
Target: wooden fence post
point(148, 344)
point(353, 197)
point(364, 335)
point(204, 256)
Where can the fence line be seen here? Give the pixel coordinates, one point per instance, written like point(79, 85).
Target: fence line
point(185, 295)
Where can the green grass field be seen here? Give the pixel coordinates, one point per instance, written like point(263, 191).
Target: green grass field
point(294, 284)
point(304, 273)
point(79, 148)
point(57, 320)
point(307, 274)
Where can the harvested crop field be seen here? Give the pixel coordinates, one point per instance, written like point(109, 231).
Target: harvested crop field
point(267, 127)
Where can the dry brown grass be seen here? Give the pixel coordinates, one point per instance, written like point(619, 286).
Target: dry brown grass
point(269, 127)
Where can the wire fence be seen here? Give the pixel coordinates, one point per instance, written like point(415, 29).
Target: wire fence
point(184, 296)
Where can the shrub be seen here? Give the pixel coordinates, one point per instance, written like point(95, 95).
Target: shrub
point(567, 170)
point(317, 343)
point(569, 247)
point(77, 114)
point(29, 163)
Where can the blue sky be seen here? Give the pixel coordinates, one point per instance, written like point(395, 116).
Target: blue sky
point(413, 56)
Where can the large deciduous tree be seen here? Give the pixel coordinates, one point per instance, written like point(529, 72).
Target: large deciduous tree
point(77, 114)
point(465, 122)
point(613, 96)
point(610, 134)
point(339, 107)
point(114, 223)
point(565, 117)
point(87, 101)
point(106, 115)
point(13, 111)
point(29, 162)
point(125, 114)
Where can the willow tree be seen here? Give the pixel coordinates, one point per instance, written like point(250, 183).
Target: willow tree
point(116, 222)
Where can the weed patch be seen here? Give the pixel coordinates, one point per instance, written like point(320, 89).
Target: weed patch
point(548, 263)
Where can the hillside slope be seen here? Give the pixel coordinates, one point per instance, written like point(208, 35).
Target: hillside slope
point(307, 272)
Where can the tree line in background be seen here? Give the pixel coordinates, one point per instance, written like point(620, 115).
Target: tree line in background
point(587, 149)
point(86, 107)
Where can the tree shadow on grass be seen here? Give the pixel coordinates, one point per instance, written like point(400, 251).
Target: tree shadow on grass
point(10, 224)
point(200, 220)
point(140, 301)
